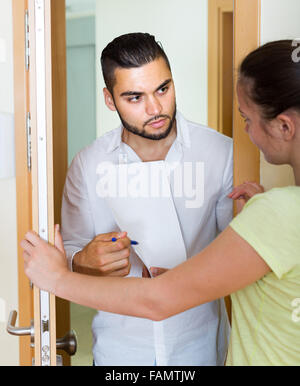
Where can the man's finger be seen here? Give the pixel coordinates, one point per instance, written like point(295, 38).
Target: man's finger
point(109, 236)
point(156, 271)
point(112, 247)
point(106, 248)
point(112, 257)
point(112, 251)
point(121, 272)
point(119, 244)
point(146, 273)
point(124, 241)
point(115, 266)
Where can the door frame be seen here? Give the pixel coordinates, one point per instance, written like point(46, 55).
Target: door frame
point(247, 29)
point(25, 194)
point(23, 175)
point(216, 10)
point(247, 23)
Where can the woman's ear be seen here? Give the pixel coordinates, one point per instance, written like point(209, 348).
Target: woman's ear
point(287, 126)
point(109, 100)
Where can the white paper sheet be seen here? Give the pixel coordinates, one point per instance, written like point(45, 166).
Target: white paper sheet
point(144, 207)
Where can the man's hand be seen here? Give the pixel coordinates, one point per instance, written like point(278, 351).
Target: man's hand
point(244, 192)
point(103, 257)
point(44, 264)
point(155, 271)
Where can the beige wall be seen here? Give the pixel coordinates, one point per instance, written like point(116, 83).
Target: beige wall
point(279, 20)
point(9, 345)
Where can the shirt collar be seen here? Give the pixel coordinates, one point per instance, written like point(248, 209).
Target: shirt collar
point(183, 135)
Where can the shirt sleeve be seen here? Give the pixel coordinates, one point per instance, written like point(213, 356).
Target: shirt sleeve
point(224, 207)
point(268, 223)
point(77, 222)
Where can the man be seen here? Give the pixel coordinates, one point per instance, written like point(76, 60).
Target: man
point(139, 86)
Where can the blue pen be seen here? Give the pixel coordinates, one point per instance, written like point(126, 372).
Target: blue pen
point(132, 242)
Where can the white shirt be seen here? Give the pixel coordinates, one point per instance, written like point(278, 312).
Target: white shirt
point(195, 337)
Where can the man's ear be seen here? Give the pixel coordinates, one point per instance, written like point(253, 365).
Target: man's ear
point(287, 126)
point(109, 100)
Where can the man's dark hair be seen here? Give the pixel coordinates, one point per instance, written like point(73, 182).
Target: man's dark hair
point(129, 51)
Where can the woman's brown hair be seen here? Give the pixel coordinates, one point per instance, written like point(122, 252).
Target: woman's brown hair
point(272, 76)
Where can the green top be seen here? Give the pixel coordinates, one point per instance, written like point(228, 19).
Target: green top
point(266, 314)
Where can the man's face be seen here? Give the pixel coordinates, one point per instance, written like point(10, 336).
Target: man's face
point(144, 98)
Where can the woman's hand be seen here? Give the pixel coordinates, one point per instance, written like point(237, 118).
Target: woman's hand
point(244, 192)
point(44, 264)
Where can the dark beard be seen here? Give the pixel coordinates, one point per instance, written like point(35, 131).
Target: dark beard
point(144, 134)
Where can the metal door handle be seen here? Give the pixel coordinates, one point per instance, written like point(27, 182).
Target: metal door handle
point(68, 343)
point(18, 331)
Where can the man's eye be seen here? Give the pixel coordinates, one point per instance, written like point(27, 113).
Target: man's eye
point(134, 99)
point(163, 90)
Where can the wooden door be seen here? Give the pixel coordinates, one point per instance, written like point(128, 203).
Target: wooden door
point(246, 39)
point(222, 101)
point(23, 172)
point(234, 31)
point(40, 98)
point(220, 65)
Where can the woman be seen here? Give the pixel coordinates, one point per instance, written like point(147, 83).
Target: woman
point(256, 259)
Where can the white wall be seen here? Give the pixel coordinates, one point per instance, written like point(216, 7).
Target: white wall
point(280, 19)
point(182, 29)
point(9, 345)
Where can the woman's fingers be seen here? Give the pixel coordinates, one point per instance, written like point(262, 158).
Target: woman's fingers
point(33, 238)
point(58, 241)
point(246, 191)
point(240, 205)
point(27, 246)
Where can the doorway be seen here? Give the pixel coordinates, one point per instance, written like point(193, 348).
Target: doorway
point(220, 67)
point(81, 82)
point(81, 102)
point(192, 102)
